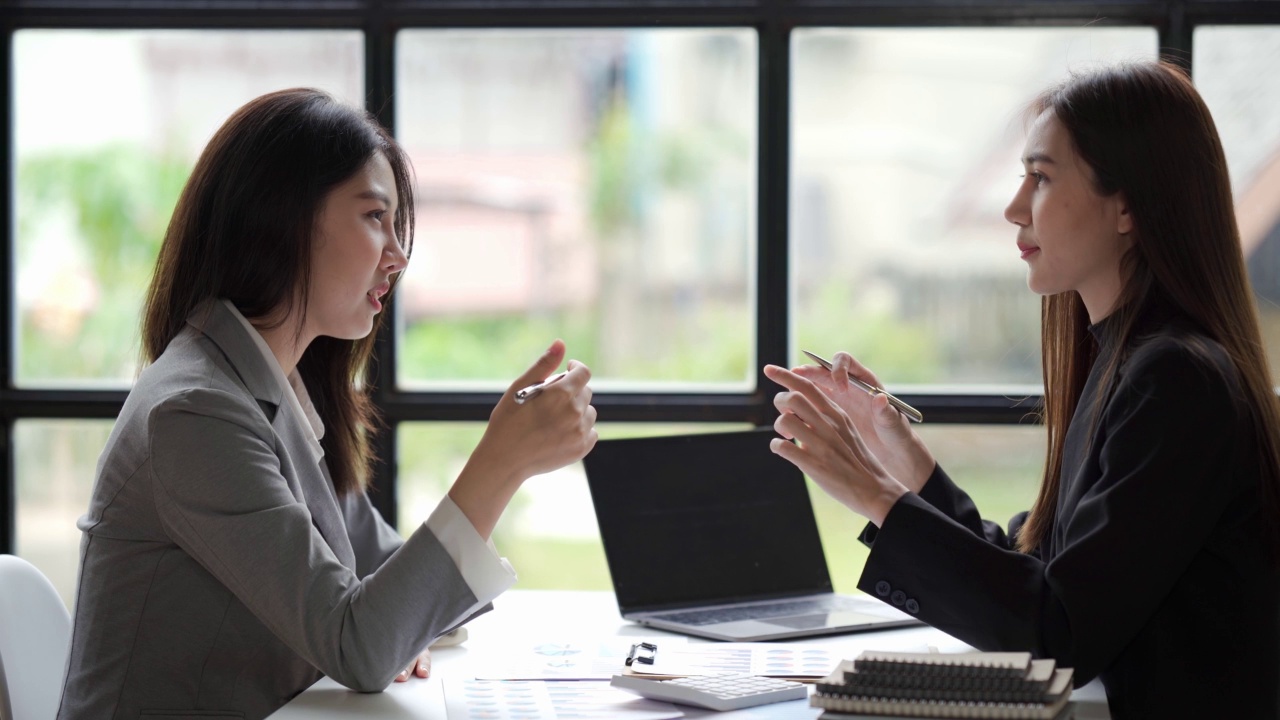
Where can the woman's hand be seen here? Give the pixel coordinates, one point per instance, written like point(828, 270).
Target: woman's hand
point(420, 667)
point(547, 432)
point(830, 449)
point(550, 430)
point(886, 431)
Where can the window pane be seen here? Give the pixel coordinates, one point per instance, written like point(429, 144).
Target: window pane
point(594, 185)
point(905, 151)
point(55, 464)
point(1246, 104)
point(549, 531)
point(107, 126)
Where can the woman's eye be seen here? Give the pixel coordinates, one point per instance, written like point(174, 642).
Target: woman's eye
point(378, 215)
point(1038, 177)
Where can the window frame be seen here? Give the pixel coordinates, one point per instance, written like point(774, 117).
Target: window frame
point(380, 20)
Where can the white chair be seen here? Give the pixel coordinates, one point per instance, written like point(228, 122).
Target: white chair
point(35, 633)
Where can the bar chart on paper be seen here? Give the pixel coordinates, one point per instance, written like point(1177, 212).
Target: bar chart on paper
point(549, 700)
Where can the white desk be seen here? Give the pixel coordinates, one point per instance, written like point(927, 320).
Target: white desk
point(521, 618)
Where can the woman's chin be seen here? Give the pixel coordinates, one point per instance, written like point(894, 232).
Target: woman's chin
point(355, 332)
point(1039, 286)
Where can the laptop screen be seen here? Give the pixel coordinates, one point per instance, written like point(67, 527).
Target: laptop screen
point(703, 518)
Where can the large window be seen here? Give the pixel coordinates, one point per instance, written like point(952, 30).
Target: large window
point(107, 125)
point(906, 147)
point(1246, 108)
point(682, 191)
point(54, 463)
point(592, 185)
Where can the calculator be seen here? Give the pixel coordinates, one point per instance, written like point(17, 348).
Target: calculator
point(715, 692)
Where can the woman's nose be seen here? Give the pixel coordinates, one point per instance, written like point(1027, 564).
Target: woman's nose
point(393, 257)
point(1018, 211)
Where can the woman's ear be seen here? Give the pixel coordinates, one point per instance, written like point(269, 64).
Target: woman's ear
point(1124, 219)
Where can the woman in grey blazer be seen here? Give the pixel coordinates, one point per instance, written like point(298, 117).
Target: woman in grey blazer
point(230, 555)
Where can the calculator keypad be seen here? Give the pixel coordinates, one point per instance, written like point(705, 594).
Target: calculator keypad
point(717, 692)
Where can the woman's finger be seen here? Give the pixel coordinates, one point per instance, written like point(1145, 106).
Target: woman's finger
point(801, 422)
point(888, 418)
point(802, 457)
point(572, 382)
point(845, 363)
point(777, 402)
point(794, 405)
point(421, 667)
point(791, 427)
point(541, 368)
point(576, 376)
point(814, 373)
point(808, 461)
point(790, 452)
point(823, 411)
point(802, 386)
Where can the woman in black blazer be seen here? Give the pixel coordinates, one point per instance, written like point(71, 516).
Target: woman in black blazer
point(1149, 557)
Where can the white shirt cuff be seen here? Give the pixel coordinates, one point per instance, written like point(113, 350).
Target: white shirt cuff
point(486, 574)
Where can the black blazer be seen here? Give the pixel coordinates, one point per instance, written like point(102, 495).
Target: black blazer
point(1154, 575)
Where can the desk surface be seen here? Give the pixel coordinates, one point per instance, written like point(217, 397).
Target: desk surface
point(522, 618)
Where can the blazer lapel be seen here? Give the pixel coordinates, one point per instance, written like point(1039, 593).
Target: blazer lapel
point(317, 488)
point(303, 466)
point(215, 320)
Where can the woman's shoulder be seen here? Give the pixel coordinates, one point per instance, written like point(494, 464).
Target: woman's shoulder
point(1177, 354)
point(168, 409)
point(192, 376)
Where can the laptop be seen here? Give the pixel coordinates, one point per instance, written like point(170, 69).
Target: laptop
point(714, 536)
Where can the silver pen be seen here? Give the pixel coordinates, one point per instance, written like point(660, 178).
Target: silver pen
point(905, 409)
point(533, 390)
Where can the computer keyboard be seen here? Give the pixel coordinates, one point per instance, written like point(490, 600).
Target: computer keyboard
point(781, 608)
point(716, 692)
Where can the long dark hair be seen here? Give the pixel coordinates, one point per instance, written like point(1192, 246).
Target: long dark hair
point(1144, 131)
point(243, 230)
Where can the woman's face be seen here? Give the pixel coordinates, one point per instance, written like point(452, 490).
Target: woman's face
point(355, 254)
point(1071, 237)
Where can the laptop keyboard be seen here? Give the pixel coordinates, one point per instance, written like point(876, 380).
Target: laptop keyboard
point(781, 608)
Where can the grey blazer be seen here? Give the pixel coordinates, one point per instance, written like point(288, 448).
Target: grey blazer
point(220, 574)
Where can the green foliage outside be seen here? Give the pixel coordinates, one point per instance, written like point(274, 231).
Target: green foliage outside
point(613, 171)
point(879, 341)
point(121, 198)
point(713, 346)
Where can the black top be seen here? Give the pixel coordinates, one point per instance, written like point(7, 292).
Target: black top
point(1154, 575)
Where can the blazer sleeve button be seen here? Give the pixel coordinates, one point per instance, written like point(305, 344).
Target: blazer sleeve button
point(912, 607)
point(883, 589)
point(898, 598)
